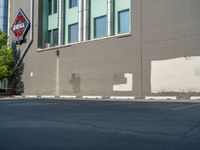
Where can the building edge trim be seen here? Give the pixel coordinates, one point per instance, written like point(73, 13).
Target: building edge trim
point(31, 33)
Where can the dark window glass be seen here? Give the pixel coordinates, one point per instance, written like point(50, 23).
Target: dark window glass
point(55, 6)
point(73, 3)
point(100, 27)
point(73, 33)
point(50, 7)
point(49, 37)
point(124, 21)
point(55, 37)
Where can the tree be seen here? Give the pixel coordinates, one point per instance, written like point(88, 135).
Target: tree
point(6, 58)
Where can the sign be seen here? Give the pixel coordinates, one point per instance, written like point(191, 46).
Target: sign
point(20, 27)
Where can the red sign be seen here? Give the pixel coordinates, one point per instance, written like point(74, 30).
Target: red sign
point(20, 26)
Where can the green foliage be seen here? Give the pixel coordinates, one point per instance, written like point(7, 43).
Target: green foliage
point(6, 58)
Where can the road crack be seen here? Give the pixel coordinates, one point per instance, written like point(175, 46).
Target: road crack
point(186, 133)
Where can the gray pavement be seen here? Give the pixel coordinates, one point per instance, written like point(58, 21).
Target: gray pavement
point(42, 124)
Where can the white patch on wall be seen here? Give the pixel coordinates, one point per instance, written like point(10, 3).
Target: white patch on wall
point(176, 75)
point(128, 86)
point(31, 74)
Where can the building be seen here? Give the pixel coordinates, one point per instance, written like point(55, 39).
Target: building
point(3, 15)
point(130, 48)
point(3, 28)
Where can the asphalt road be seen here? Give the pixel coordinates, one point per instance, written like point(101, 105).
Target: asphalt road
point(92, 125)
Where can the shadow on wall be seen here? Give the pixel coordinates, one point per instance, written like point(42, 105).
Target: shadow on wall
point(76, 82)
point(16, 81)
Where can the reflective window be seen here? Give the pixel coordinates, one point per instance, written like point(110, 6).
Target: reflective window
point(73, 33)
point(73, 3)
point(124, 21)
point(100, 27)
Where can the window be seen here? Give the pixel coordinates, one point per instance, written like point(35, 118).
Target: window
point(100, 27)
point(73, 33)
point(50, 7)
point(123, 22)
point(48, 23)
point(93, 24)
point(53, 37)
point(3, 85)
point(53, 7)
point(49, 37)
point(73, 3)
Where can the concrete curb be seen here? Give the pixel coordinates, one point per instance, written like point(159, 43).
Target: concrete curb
point(112, 98)
point(160, 97)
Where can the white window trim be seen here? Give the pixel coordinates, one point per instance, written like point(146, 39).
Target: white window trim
point(88, 41)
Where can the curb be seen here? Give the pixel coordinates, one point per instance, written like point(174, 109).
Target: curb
point(111, 98)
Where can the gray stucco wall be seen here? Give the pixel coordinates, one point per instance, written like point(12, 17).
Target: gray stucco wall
point(161, 30)
point(170, 31)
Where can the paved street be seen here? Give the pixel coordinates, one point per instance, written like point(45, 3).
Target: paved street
point(93, 125)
